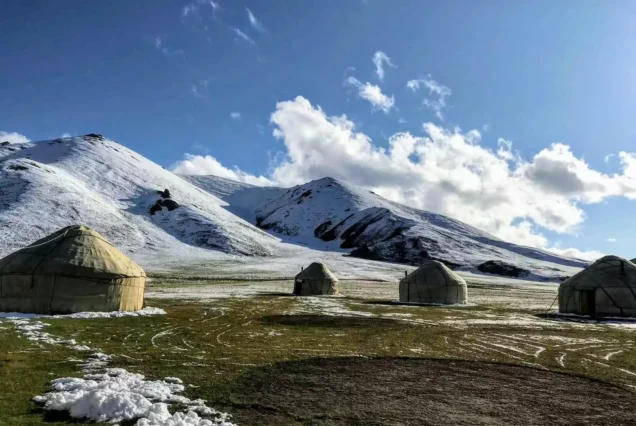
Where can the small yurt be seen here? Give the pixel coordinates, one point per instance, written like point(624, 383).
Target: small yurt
point(72, 270)
point(605, 288)
point(433, 283)
point(316, 279)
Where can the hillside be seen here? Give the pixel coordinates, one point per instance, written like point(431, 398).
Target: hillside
point(91, 180)
point(328, 214)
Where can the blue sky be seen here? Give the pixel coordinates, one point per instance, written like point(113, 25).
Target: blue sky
point(163, 77)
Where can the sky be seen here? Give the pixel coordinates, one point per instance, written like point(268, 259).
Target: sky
point(515, 117)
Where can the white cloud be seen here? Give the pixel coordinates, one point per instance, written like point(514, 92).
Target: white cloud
point(13, 137)
point(449, 172)
point(188, 9)
point(439, 92)
point(235, 115)
point(241, 35)
point(373, 94)
point(192, 9)
point(590, 255)
point(66, 135)
point(208, 165)
point(609, 157)
point(380, 59)
point(255, 23)
point(611, 240)
point(200, 89)
point(402, 121)
point(160, 45)
point(441, 170)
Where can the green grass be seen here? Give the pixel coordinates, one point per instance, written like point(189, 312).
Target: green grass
point(212, 344)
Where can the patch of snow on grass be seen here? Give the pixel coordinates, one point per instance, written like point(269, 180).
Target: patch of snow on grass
point(148, 311)
point(118, 395)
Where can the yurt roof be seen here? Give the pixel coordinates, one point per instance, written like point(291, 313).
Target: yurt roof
point(608, 271)
point(76, 251)
point(431, 266)
point(317, 271)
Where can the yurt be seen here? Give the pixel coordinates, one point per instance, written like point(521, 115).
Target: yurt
point(433, 283)
point(316, 279)
point(72, 270)
point(605, 288)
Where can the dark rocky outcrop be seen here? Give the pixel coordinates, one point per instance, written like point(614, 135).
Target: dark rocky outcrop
point(5, 143)
point(94, 136)
point(164, 194)
point(408, 250)
point(321, 229)
point(497, 267)
point(167, 203)
point(17, 167)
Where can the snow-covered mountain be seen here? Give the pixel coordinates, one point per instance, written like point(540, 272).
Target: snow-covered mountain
point(328, 214)
point(91, 180)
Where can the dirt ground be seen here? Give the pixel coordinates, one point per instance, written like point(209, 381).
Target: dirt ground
point(409, 391)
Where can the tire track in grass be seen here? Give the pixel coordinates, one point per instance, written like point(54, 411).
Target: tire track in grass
point(165, 332)
point(611, 354)
point(561, 360)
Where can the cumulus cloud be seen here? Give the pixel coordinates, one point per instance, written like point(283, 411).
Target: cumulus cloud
point(208, 165)
point(443, 170)
point(379, 60)
point(255, 23)
point(447, 171)
point(373, 94)
point(611, 240)
point(242, 36)
point(235, 115)
point(13, 137)
point(438, 94)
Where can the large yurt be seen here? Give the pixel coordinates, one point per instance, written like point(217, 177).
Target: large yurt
point(433, 283)
point(72, 270)
point(316, 279)
point(605, 288)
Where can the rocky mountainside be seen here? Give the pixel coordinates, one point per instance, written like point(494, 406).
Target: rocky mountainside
point(328, 214)
point(91, 180)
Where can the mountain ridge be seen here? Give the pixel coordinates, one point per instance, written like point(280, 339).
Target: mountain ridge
point(92, 180)
point(334, 215)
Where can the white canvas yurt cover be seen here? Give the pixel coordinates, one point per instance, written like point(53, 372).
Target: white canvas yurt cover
point(316, 279)
point(605, 288)
point(72, 270)
point(433, 283)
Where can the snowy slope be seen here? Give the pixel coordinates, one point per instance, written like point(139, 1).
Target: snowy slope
point(90, 180)
point(240, 197)
point(328, 214)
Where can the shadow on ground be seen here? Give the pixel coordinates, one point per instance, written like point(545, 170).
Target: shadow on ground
point(586, 319)
point(330, 321)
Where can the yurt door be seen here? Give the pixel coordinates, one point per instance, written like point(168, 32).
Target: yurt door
point(587, 302)
point(298, 286)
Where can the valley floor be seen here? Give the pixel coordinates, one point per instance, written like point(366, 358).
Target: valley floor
point(267, 358)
